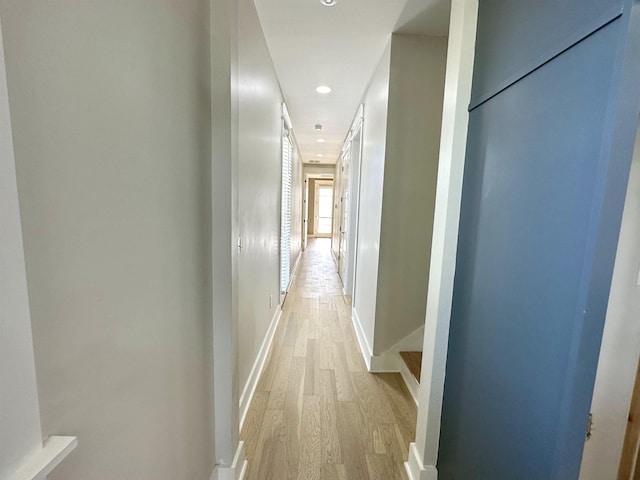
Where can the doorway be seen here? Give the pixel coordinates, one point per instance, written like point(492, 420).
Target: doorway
point(318, 205)
point(349, 199)
point(323, 226)
point(344, 212)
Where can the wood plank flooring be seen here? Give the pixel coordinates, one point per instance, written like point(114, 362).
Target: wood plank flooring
point(317, 413)
point(413, 360)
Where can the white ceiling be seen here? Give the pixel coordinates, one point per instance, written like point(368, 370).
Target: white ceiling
point(338, 46)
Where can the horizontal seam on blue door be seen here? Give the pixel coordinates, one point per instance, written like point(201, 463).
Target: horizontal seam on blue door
point(562, 47)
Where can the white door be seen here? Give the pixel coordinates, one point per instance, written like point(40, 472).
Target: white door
point(305, 214)
point(344, 215)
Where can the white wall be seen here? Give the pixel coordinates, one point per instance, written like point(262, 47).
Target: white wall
point(260, 167)
point(401, 133)
point(309, 169)
point(372, 179)
point(620, 345)
point(416, 87)
point(259, 179)
point(110, 105)
point(19, 418)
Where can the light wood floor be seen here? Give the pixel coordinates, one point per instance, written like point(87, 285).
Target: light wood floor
point(413, 360)
point(317, 413)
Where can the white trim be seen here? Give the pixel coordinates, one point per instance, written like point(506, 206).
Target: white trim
point(335, 260)
point(294, 270)
point(224, 226)
point(362, 338)
point(355, 180)
point(410, 381)
point(388, 362)
point(318, 185)
point(453, 142)
point(41, 463)
point(236, 471)
point(286, 117)
point(414, 468)
point(252, 382)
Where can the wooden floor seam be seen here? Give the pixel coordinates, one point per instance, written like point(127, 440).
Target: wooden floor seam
point(317, 414)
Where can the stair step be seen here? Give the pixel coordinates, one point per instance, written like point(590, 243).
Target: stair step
point(414, 363)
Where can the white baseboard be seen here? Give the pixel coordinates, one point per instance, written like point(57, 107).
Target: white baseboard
point(335, 261)
point(362, 338)
point(410, 381)
point(386, 362)
point(236, 471)
point(295, 266)
point(252, 382)
point(415, 469)
point(389, 361)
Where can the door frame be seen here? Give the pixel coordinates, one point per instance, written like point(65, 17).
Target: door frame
point(345, 155)
point(423, 453)
point(316, 198)
point(355, 168)
point(305, 213)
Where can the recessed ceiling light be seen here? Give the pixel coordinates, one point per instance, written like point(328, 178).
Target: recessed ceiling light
point(319, 155)
point(324, 89)
point(328, 3)
point(321, 140)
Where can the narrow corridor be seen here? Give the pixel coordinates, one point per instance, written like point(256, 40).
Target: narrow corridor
point(317, 413)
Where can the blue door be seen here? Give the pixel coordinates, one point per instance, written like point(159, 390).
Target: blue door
point(553, 119)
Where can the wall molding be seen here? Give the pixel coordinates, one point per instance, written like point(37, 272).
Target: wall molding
point(237, 470)
point(414, 468)
point(40, 464)
point(252, 382)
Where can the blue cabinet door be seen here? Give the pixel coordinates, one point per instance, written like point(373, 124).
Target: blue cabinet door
point(548, 154)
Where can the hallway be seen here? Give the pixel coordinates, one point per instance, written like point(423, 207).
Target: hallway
point(317, 413)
